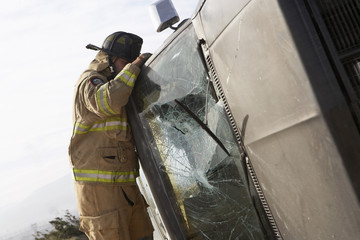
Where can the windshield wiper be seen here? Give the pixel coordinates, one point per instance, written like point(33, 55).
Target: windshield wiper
point(203, 125)
point(202, 42)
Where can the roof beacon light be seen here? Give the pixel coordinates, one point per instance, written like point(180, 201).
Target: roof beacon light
point(163, 14)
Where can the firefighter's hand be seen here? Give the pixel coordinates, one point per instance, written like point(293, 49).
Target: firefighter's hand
point(140, 60)
point(145, 56)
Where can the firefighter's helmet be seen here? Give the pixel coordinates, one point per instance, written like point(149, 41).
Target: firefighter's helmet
point(121, 44)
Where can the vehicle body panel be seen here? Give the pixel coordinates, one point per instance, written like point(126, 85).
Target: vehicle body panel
point(271, 68)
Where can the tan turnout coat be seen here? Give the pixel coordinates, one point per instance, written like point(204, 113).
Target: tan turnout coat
point(101, 150)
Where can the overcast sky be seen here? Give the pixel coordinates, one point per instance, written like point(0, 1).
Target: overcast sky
point(43, 53)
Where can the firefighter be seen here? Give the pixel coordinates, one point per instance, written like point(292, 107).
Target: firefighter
point(101, 149)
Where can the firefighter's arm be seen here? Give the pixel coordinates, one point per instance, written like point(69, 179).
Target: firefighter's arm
point(95, 96)
point(122, 85)
point(106, 99)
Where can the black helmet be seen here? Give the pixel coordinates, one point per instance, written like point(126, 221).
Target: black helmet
point(121, 44)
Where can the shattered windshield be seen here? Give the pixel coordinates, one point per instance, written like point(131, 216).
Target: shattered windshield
point(192, 140)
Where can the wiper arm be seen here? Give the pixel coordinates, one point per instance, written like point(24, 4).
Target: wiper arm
point(203, 125)
point(202, 42)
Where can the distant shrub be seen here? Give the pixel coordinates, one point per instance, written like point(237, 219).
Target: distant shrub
point(67, 228)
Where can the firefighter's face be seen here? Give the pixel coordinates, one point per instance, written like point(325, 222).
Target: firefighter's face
point(120, 64)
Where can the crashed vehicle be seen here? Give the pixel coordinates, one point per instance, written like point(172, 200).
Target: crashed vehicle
point(247, 121)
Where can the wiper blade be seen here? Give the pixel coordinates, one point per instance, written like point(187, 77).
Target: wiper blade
point(203, 125)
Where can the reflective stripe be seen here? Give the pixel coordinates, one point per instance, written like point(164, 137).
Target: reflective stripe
point(101, 99)
point(109, 124)
point(127, 77)
point(105, 176)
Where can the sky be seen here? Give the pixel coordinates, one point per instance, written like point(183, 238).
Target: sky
point(43, 54)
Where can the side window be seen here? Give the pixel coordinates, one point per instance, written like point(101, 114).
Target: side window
point(189, 134)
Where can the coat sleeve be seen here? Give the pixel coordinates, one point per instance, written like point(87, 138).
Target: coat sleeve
point(107, 99)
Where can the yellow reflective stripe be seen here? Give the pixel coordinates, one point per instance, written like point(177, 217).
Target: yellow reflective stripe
point(109, 124)
point(101, 99)
point(105, 176)
point(127, 77)
point(85, 179)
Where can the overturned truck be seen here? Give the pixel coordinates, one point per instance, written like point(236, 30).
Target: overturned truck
point(247, 122)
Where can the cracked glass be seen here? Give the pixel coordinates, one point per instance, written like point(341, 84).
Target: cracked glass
point(189, 134)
